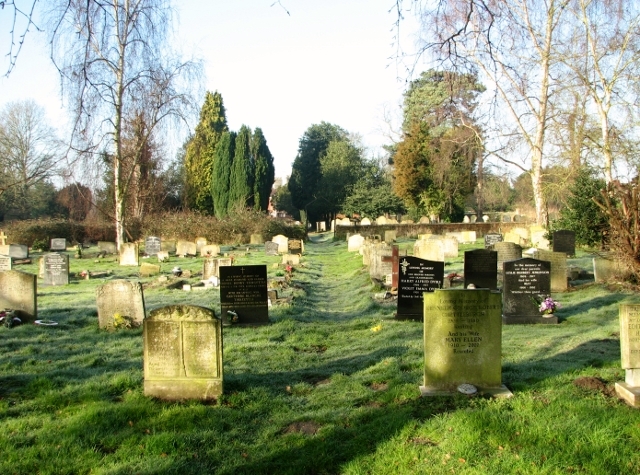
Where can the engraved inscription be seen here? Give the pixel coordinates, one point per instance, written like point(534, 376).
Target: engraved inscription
point(199, 340)
point(163, 358)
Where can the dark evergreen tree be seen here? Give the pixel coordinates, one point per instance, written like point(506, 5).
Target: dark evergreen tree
point(224, 154)
point(264, 172)
point(241, 180)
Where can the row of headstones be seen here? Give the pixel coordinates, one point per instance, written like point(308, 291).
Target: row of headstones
point(382, 220)
point(281, 244)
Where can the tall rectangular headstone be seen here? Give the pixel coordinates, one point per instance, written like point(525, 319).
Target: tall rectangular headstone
point(463, 342)
point(56, 269)
point(629, 390)
point(564, 241)
point(58, 244)
point(481, 269)
point(429, 249)
point(152, 246)
point(243, 292)
point(527, 282)
point(18, 291)
point(129, 254)
point(416, 277)
point(558, 262)
point(121, 297)
point(507, 251)
point(183, 353)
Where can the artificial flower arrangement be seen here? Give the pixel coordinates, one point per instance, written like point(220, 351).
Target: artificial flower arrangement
point(548, 306)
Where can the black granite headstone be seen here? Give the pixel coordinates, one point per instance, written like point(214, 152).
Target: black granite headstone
point(152, 246)
point(564, 241)
point(56, 269)
point(271, 248)
point(416, 277)
point(481, 269)
point(243, 295)
point(492, 238)
point(527, 282)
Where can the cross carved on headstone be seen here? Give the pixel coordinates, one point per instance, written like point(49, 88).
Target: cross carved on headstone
point(394, 258)
point(3, 238)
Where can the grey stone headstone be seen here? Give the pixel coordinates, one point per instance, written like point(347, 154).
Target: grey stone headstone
point(481, 269)
point(416, 277)
point(271, 248)
point(58, 244)
point(243, 291)
point(56, 269)
point(558, 261)
point(169, 246)
point(108, 247)
point(430, 249)
point(5, 263)
point(491, 238)
point(18, 291)
point(379, 267)
point(209, 268)
point(186, 248)
point(527, 282)
point(507, 251)
point(129, 254)
point(256, 239)
point(152, 246)
point(17, 251)
point(122, 297)
point(462, 342)
point(183, 353)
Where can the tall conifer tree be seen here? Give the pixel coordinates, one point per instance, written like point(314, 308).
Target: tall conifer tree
point(225, 151)
point(242, 178)
point(200, 156)
point(264, 173)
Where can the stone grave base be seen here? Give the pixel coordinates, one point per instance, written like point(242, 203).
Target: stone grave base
point(631, 394)
point(527, 320)
point(175, 390)
point(501, 392)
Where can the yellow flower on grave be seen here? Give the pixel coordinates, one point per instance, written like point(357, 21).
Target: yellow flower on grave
point(377, 328)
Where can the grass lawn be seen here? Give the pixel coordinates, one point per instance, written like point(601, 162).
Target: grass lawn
point(315, 392)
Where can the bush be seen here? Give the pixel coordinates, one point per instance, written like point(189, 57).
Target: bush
point(41, 231)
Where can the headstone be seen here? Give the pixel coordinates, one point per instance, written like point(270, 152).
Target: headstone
point(183, 353)
point(474, 218)
point(152, 246)
point(424, 220)
point(564, 241)
point(283, 243)
point(321, 226)
point(18, 291)
point(5, 263)
point(223, 262)
point(527, 282)
point(200, 241)
point(491, 238)
point(186, 248)
point(449, 243)
point(481, 269)
point(390, 236)
point(58, 244)
point(169, 246)
point(558, 262)
point(506, 218)
point(379, 267)
point(129, 254)
point(17, 251)
point(381, 220)
point(108, 247)
point(416, 277)
point(271, 248)
point(120, 300)
point(243, 292)
point(466, 220)
point(355, 242)
point(429, 249)
point(56, 269)
point(605, 269)
point(395, 266)
point(209, 268)
point(295, 246)
point(291, 259)
point(256, 239)
point(147, 269)
point(209, 250)
point(507, 251)
point(163, 256)
point(629, 390)
point(485, 218)
point(365, 222)
point(538, 240)
point(462, 342)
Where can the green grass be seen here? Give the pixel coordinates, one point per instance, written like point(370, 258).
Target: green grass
point(315, 392)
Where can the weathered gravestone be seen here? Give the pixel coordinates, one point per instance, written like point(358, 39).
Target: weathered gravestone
point(162, 256)
point(256, 239)
point(481, 269)
point(355, 242)
point(186, 248)
point(564, 241)
point(295, 246)
point(539, 240)
point(17, 251)
point(147, 269)
point(271, 248)
point(209, 268)
point(56, 269)
point(200, 241)
point(58, 244)
point(527, 282)
point(629, 390)
point(416, 277)
point(607, 268)
point(168, 246)
point(283, 243)
point(491, 238)
point(558, 262)
point(394, 259)
point(390, 236)
point(430, 249)
point(120, 303)
point(507, 251)
point(379, 267)
point(463, 342)
point(152, 246)
point(291, 259)
point(18, 291)
point(243, 293)
point(108, 247)
point(5, 263)
point(365, 222)
point(183, 353)
point(449, 243)
point(210, 250)
point(129, 254)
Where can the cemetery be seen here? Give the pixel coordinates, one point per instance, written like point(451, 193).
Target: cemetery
point(249, 362)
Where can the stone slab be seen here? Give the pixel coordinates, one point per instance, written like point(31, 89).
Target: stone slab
point(56, 269)
point(18, 291)
point(630, 394)
point(58, 244)
point(123, 297)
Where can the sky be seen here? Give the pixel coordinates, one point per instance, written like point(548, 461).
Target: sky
point(279, 66)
